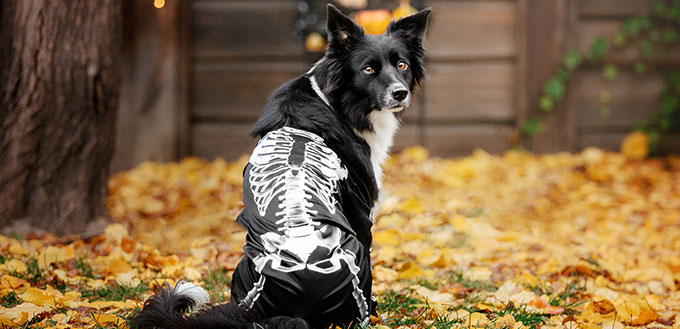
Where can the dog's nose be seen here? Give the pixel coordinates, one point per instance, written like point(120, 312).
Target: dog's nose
point(400, 94)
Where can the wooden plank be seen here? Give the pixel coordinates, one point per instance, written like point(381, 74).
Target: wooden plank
point(670, 143)
point(613, 8)
point(407, 135)
point(245, 29)
point(225, 140)
point(547, 29)
point(184, 67)
point(229, 141)
point(414, 113)
point(610, 141)
point(471, 29)
point(147, 119)
point(238, 91)
point(463, 139)
point(466, 92)
point(520, 83)
point(634, 98)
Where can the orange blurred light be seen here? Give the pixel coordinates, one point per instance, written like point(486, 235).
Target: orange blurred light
point(159, 3)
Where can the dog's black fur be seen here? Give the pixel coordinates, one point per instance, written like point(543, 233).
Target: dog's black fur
point(353, 92)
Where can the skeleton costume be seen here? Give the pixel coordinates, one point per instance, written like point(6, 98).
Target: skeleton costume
point(307, 248)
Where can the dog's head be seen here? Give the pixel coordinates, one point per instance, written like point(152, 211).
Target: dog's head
point(365, 73)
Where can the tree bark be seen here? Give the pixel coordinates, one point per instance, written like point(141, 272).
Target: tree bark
point(59, 85)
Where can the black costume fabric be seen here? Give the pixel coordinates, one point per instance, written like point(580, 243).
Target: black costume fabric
point(304, 257)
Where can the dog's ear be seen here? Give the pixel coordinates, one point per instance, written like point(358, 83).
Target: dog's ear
point(342, 32)
point(411, 28)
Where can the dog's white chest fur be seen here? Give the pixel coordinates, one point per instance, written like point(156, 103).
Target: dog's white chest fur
point(385, 125)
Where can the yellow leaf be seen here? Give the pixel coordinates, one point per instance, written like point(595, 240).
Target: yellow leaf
point(635, 146)
point(410, 271)
point(15, 248)
point(434, 296)
point(411, 206)
point(602, 306)
point(505, 321)
point(13, 265)
point(477, 320)
point(478, 273)
point(53, 255)
point(204, 254)
point(115, 233)
point(20, 314)
point(48, 298)
point(645, 318)
point(11, 282)
point(414, 153)
point(106, 319)
point(118, 266)
point(459, 314)
point(431, 257)
point(387, 237)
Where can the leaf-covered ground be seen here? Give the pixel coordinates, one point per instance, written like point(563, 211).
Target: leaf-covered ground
point(588, 240)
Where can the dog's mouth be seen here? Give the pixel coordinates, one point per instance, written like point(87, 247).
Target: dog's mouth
point(396, 109)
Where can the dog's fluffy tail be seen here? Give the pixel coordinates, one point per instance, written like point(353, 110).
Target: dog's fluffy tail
point(167, 309)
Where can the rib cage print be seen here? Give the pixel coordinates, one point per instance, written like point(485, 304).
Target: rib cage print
point(274, 172)
point(295, 169)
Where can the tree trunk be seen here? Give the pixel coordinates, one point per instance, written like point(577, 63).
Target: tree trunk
point(59, 85)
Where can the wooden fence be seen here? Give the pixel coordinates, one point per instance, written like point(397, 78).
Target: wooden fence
point(487, 61)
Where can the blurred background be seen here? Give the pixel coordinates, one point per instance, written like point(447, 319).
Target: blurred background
point(198, 73)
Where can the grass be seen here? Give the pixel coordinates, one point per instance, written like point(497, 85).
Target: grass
point(116, 291)
point(520, 313)
point(10, 300)
point(404, 308)
point(216, 284)
point(458, 277)
point(401, 308)
point(34, 274)
point(568, 299)
point(84, 269)
point(128, 316)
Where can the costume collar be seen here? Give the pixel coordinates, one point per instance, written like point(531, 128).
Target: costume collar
point(318, 91)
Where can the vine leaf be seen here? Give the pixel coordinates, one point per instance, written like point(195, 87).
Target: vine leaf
point(637, 25)
point(572, 60)
point(620, 39)
point(546, 103)
point(554, 88)
point(605, 97)
point(597, 49)
point(609, 72)
point(646, 49)
point(605, 112)
point(533, 126)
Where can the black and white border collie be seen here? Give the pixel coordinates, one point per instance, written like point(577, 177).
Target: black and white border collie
point(310, 187)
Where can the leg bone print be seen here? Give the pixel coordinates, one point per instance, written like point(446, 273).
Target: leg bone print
point(279, 172)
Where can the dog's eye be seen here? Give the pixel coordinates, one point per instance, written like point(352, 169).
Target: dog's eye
point(369, 70)
point(402, 65)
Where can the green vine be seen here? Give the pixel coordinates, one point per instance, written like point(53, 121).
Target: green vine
point(655, 33)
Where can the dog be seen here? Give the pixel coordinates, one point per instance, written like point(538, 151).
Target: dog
point(310, 188)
